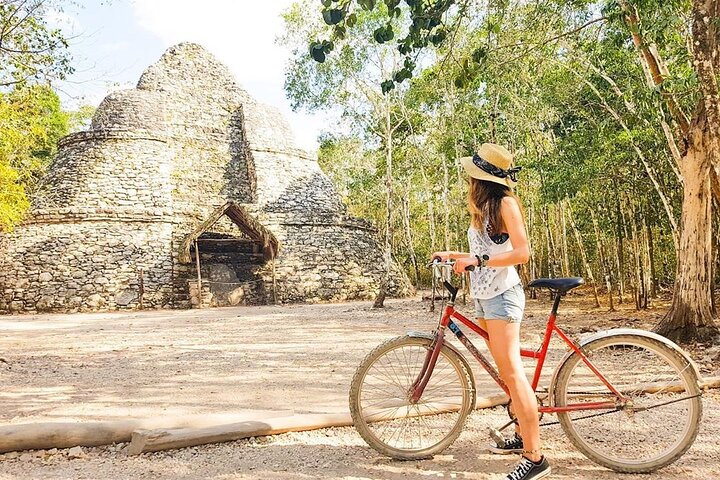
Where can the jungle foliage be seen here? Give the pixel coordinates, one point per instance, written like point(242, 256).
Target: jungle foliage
point(32, 120)
point(600, 101)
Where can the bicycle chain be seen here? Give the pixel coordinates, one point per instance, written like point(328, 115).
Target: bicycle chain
point(620, 410)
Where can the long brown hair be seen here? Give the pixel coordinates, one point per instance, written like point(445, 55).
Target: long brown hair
point(484, 199)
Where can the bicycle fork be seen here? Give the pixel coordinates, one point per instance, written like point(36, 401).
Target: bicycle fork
point(418, 387)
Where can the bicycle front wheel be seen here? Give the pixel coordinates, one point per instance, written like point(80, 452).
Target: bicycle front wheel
point(661, 418)
point(381, 408)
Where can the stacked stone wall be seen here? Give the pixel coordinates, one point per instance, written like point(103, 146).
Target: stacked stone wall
point(86, 265)
point(87, 173)
point(328, 259)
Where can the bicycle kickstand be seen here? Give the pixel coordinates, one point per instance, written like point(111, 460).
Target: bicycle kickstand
point(497, 436)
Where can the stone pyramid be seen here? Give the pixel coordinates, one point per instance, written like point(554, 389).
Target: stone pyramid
point(186, 162)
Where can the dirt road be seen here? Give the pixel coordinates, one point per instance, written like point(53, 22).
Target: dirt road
point(300, 358)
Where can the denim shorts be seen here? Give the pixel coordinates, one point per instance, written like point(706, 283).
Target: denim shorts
point(507, 306)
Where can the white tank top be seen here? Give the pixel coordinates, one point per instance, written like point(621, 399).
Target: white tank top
point(489, 282)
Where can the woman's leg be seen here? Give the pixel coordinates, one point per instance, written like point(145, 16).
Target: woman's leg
point(483, 324)
point(505, 349)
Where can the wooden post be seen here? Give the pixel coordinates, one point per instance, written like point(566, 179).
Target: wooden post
point(141, 287)
point(274, 282)
point(199, 277)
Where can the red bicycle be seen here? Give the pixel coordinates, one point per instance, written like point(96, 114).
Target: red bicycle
point(627, 399)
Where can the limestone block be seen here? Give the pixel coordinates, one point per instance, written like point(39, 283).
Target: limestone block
point(95, 300)
point(16, 306)
point(126, 297)
point(45, 277)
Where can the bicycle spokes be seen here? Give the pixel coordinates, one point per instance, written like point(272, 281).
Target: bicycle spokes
point(382, 404)
point(654, 419)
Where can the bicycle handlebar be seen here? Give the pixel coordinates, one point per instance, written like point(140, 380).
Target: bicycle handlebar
point(437, 262)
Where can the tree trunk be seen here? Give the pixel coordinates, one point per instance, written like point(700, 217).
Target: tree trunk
point(690, 318)
point(408, 233)
point(552, 273)
point(605, 267)
point(430, 211)
point(638, 283)
point(380, 299)
point(583, 255)
point(446, 203)
point(620, 249)
point(534, 255)
point(716, 260)
point(651, 259)
point(563, 240)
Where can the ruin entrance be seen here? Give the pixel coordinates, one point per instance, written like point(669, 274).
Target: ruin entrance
point(233, 257)
point(231, 267)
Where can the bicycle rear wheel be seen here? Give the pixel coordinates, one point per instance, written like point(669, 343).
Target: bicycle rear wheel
point(383, 413)
point(657, 425)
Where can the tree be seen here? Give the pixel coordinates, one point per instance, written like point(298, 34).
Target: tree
point(32, 55)
point(30, 51)
point(349, 81)
point(695, 141)
point(32, 123)
point(690, 316)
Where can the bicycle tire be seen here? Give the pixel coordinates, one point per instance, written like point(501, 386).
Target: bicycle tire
point(631, 433)
point(449, 361)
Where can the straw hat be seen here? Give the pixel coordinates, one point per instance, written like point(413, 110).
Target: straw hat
point(492, 163)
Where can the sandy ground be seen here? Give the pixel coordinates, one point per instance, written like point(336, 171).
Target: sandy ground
point(300, 358)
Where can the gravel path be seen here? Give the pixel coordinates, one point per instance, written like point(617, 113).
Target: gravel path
point(339, 453)
point(300, 358)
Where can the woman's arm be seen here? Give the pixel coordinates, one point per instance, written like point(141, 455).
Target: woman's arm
point(449, 255)
point(515, 226)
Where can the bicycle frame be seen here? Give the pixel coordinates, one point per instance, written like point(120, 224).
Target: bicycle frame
point(446, 322)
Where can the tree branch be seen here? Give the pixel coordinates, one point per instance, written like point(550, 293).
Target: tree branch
point(654, 64)
point(705, 56)
point(641, 156)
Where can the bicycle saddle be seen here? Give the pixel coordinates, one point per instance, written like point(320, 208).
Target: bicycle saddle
point(562, 285)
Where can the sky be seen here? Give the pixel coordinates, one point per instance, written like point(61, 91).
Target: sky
point(114, 41)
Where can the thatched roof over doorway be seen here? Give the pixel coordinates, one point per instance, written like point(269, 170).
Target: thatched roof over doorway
point(244, 221)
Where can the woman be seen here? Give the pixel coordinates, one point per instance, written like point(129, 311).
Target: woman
point(498, 241)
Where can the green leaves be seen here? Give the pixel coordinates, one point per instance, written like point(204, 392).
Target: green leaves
point(319, 50)
point(367, 4)
point(333, 16)
point(387, 86)
point(384, 34)
point(479, 54)
point(438, 37)
point(31, 51)
point(32, 123)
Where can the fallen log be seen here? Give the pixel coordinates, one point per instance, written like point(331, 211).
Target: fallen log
point(710, 382)
point(166, 439)
point(38, 436)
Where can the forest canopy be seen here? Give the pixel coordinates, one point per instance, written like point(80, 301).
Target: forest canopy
point(611, 107)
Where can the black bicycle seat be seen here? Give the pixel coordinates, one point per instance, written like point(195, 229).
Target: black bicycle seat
point(562, 285)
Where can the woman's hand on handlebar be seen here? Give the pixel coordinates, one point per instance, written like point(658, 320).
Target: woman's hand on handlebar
point(444, 256)
point(440, 256)
point(461, 264)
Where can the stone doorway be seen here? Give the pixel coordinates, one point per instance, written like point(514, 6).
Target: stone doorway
point(231, 267)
